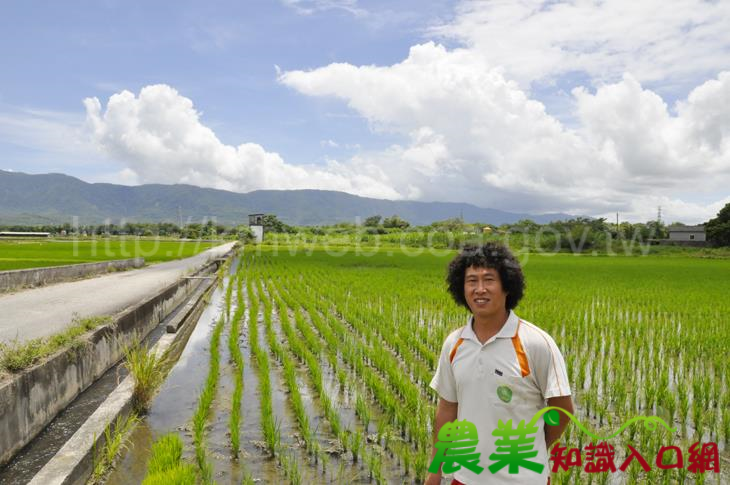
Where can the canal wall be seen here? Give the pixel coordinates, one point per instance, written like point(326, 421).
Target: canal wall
point(73, 464)
point(26, 278)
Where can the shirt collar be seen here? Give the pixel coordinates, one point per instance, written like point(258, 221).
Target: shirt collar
point(508, 330)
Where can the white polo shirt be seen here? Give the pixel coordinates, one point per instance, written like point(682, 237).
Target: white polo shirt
point(520, 357)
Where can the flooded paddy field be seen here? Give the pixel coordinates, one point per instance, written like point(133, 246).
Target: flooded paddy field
point(316, 369)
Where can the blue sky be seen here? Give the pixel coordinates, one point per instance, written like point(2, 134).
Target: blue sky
point(586, 108)
point(222, 55)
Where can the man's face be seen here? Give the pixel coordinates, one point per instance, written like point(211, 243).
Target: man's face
point(483, 292)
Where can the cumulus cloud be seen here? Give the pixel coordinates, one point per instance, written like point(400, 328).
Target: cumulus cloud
point(160, 137)
point(544, 39)
point(474, 135)
point(469, 135)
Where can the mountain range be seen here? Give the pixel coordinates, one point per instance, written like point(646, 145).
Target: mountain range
point(56, 198)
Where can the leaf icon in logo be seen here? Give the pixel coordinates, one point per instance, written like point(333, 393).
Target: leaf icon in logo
point(552, 417)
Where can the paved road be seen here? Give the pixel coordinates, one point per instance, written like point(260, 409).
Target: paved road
point(44, 311)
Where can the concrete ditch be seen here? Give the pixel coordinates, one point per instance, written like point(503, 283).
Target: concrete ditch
point(31, 399)
point(73, 463)
point(34, 277)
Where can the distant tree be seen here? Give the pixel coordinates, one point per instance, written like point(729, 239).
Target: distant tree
point(373, 221)
point(718, 229)
point(272, 223)
point(395, 222)
point(449, 225)
point(525, 225)
point(657, 230)
point(245, 233)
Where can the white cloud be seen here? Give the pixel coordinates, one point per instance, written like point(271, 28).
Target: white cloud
point(160, 137)
point(540, 39)
point(42, 129)
point(474, 135)
point(470, 126)
point(309, 7)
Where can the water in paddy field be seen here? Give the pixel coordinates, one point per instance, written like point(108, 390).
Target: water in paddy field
point(173, 408)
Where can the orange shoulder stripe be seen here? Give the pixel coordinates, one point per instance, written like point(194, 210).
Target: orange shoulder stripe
point(521, 355)
point(453, 351)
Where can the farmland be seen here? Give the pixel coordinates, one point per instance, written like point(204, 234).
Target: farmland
point(33, 253)
point(318, 363)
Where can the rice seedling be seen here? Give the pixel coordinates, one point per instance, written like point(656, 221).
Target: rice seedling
point(373, 326)
point(234, 423)
point(205, 400)
point(166, 465)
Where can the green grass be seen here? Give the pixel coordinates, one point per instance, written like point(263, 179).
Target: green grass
point(17, 356)
point(115, 441)
point(147, 370)
point(25, 253)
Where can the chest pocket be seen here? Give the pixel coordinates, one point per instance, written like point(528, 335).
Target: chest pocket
point(514, 392)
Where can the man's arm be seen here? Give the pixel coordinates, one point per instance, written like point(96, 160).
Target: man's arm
point(552, 433)
point(446, 412)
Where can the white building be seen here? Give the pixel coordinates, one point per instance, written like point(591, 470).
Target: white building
point(687, 233)
point(256, 224)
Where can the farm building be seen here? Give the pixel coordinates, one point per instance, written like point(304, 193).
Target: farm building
point(256, 224)
point(687, 233)
point(24, 234)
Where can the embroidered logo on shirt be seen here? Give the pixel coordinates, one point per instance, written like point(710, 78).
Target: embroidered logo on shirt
point(504, 393)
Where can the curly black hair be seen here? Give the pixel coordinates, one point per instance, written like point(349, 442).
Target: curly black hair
point(490, 255)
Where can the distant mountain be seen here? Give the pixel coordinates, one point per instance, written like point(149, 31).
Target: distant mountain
point(56, 198)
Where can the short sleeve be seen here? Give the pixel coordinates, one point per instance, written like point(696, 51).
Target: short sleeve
point(443, 381)
point(549, 366)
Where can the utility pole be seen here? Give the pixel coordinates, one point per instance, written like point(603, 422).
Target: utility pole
point(659, 215)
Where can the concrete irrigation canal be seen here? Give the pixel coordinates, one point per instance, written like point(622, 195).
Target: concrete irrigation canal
point(55, 411)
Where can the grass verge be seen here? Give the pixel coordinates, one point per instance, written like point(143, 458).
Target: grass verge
point(17, 356)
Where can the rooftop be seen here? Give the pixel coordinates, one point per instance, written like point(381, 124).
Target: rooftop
point(700, 228)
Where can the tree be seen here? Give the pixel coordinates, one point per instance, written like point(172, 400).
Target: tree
point(395, 222)
point(245, 234)
point(718, 229)
point(272, 223)
point(373, 221)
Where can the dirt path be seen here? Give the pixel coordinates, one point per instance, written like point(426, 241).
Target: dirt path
point(44, 311)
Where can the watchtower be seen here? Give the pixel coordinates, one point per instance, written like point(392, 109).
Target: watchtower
point(256, 224)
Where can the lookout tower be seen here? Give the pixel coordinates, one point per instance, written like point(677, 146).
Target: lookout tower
point(256, 224)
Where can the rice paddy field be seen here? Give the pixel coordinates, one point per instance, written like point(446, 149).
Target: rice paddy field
point(313, 367)
point(34, 253)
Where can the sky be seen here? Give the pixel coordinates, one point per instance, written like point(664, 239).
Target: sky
point(584, 107)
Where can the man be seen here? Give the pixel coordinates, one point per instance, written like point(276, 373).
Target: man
point(498, 366)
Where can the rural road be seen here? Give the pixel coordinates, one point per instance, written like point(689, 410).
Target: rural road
point(39, 312)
